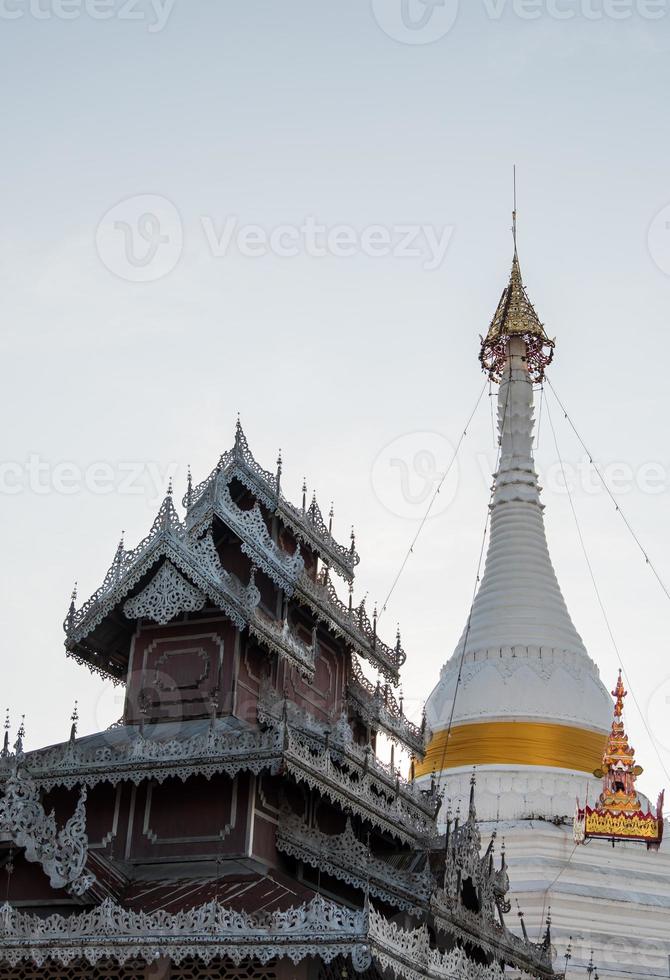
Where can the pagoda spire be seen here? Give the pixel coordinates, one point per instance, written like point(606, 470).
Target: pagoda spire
point(519, 602)
point(515, 316)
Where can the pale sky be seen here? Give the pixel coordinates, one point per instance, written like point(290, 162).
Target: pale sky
point(132, 335)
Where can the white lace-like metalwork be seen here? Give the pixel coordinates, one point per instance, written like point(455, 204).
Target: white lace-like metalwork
point(397, 810)
point(345, 857)
point(351, 623)
point(318, 928)
point(143, 757)
point(194, 561)
point(63, 853)
point(407, 953)
point(167, 595)
point(250, 527)
point(377, 706)
point(307, 524)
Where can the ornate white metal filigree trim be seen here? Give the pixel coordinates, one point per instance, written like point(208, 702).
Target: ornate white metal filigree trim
point(167, 595)
point(62, 854)
point(318, 928)
point(345, 857)
point(145, 757)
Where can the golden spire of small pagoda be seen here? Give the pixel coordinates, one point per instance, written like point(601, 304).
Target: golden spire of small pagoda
point(619, 771)
point(618, 814)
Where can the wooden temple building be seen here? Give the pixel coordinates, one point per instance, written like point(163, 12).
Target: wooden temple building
point(237, 822)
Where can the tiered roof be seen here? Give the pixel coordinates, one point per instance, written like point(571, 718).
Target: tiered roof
point(295, 757)
point(98, 633)
point(619, 815)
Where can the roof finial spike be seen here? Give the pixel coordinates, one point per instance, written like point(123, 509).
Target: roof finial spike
point(189, 486)
point(331, 515)
point(304, 494)
point(5, 747)
point(20, 735)
point(74, 719)
point(472, 812)
point(514, 212)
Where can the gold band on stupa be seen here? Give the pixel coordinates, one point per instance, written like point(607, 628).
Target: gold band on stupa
point(517, 743)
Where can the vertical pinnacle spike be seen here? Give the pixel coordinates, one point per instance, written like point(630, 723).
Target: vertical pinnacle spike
point(304, 494)
point(74, 719)
point(189, 486)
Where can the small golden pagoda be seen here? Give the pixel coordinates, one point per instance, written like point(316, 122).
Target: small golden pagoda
point(618, 814)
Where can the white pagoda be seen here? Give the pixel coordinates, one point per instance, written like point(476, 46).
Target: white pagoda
point(521, 700)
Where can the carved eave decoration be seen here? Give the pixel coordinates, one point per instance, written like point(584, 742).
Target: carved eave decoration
point(250, 527)
point(376, 706)
point(307, 524)
point(318, 928)
point(352, 623)
point(61, 853)
point(360, 787)
point(345, 857)
point(190, 577)
point(147, 754)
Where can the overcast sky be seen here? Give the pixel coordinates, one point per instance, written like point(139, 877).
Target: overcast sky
point(300, 211)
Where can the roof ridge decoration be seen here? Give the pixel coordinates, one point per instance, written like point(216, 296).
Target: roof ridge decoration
point(306, 523)
point(141, 756)
point(62, 853)
point(618, 814)
point(515, 316)
point(319, 927)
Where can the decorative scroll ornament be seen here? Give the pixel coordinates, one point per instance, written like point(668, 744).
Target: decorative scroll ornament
point(167, 595)
point(62, 854)
point(618, 814)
